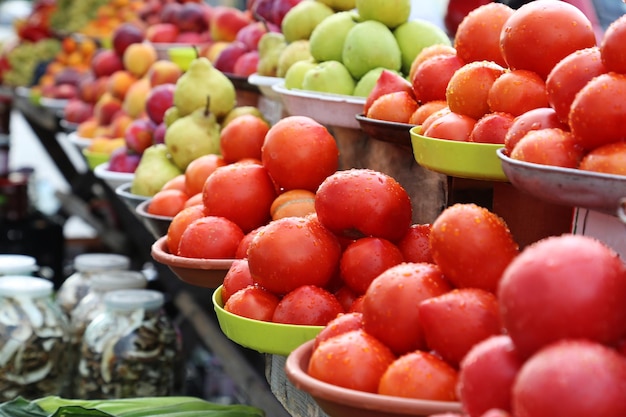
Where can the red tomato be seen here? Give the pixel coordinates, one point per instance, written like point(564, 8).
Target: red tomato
point(363, 202)
point(242, 249)
point(357, 305)
point(341, 324)
point(291, 252)
point(568, 286)
point(517, 91)
point(598, 114)
point(492, 128)
point(420, 375)
point(422, 112)
point(454, 322)
point(469, 87)
point(541, 33)
point(535, 119)
point(486, 375)
point(609, 159)
point(237, 278)
point(390, 305)
point(252, 302)
point(240, 192)
point(243, 138)
point(591, 382)
point(570, 75)
point(199, 170)
point(345, 296)
point(307, 305)
point(167, 202)
point(354, 360)
point(472, 246)
point(431, 77)
point(364, 259)
point(452, 126)
point(179, 223)
point(299, 153)
point(210, 237)
point(415, 245)
point(432, 117)
point(553, 147)
point(612, 46)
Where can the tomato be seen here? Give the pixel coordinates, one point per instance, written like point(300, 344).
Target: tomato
point(240, 192)
point(387, 82)
point(591, 382)
point(486, 375)
point(210, 237)
point(307, 305)
point(293, 203)
point(199, 170)
point(194, 200)
point(167, 202)
point(345, 296)
point(365, 259)
point(564, 286)
point(390, 305)
point(343, 323)
point(237, 278)
point(491, 128)
point(357, 305)
point(397, 106)
point(455, 321)
point(179, 223)
point(291, 252)
point(362, 202)
point(598, 113)
point(431, 118)
point(176, 183)
point(431, 77)
point(429, 52)
point(517, 91)
point(420, 375)
point(415, 245)
point(612, 46)
point(610, 159)
point(469, 87)
point(242, 249)
point(540, 118)
point(354, 360)
point(553, 147)
point(252, 302)
point(541, 33)
point(425, 110)
point(478, 36)
point(243, 138)
point(472, 246)
point(570, 75)
point(299, 153)
point(451, 126)
point(494, 412)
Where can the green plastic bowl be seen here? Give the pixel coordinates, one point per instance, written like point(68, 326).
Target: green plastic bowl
point(95, 158)
point(471, 160)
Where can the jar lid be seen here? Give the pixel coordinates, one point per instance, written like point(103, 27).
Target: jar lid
point(88, 262)
point(17, 264)
point(14, 285)
point(118, 280)
point(132, 299)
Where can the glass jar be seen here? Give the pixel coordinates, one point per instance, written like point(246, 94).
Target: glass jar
point(132, 349)
point(17, 264)
point(76, 286)
point(34, 336)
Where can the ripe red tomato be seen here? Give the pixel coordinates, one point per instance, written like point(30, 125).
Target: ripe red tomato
point(362, 202)
point(612, 46)
point(472, 246)
point(240, 192)
point(210, 237)
point(420, 375)
point(592, 381)
point(431, 77)
point(451, 126)
point(469, 87)
point(390, 305)
point(415, 245)
point(366, 258)
point(486, 375)
point(492, 128)
point(541, 33)
point(242, 249)
point(432, 117)
point(237, 278)
point(307, 305)
point(540, 118)
point(567, 286)
point(609, 159)
point(517, 91)
point(252, 302)
point(552, 146)
point(598, 114)
point(343, 323)
point(293, 251)
point(455, 321)
point(354, 360)
point(167, 202)
point(178, 225)
point(345, 296)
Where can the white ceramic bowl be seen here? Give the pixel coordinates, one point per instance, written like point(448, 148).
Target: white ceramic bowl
point(265, 84)
point(112, 178)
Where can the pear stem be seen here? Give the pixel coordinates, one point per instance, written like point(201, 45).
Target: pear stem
point(206, 106)
point(195, 49)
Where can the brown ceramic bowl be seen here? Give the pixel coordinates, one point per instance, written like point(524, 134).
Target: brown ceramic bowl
point(157, 225)
point(208, 273)
point(342, 402)
point(392, 132)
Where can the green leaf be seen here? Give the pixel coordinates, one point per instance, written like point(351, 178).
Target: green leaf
point(20, 407)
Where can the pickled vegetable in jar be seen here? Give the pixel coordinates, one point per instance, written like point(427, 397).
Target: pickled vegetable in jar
point(132, 349)
point(76, 286)
point(34, 337)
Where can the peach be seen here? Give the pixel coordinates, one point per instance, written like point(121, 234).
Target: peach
point(105, 108)
point(86, 129)
point(119, 82)
point(164, 72)
point(135, 100)
point(162, 33)
point(119, 123)
point(138, 58)
point(106, 62)
point(226, 22)
point(214, 50)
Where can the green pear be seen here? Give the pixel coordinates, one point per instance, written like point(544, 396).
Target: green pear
point(339, 5)
point(369, 45)
point(193, 135)
point(367, 82)
point(302, 18)
point(415, 35)
point(202, 79)
point(295, 74)
point(327, 39)
point(391, 13)
point(271, 45)
point(329, 77)
point(240, 111)
point(293, 52)
point(170, 115)
point(154, 170)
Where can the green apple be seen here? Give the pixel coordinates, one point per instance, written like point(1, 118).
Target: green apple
point(391, 13)
point(295, 74)
point(368, 45)
point(302, 18)
point(367, 82)
point(328, 37)
point(339, 5)
point(329, 77)
point(295, 51)
point(415, 35)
